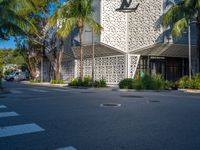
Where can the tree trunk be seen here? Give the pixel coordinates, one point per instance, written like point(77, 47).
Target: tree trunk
point(57, 65)
point(60, 57)
point(81, 52)
point(198, 41)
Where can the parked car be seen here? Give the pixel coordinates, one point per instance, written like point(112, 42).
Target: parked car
point(16, 76)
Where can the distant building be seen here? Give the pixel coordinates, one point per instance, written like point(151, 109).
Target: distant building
point(131, 42)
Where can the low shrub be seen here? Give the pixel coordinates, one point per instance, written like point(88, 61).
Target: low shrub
point(87, 82)
point(100, 83)
point(57, 82)
point(186, 83)
point(35, 81)
point(126, 83)
point(170, 85)
point(157, 82)
point(73, 82)
point(147, 82)
point(197, 81)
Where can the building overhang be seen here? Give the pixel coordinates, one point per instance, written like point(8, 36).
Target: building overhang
point(100, 50)
point(166, 50)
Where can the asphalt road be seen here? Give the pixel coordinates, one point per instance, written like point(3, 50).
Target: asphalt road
point(72, 119)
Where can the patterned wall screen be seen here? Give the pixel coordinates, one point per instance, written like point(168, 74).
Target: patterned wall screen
point(112, 68)
point(133, 61)
point(68, 71)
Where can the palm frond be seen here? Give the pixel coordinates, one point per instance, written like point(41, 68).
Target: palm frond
point(93, 24)
point(179, 27)
point(172, 15)
point(67, 26)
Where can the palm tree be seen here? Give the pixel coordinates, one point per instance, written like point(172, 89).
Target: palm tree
point(12, 21)
point(75, 14)
point(179, 17)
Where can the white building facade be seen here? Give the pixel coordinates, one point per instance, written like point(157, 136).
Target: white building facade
point(131, 42)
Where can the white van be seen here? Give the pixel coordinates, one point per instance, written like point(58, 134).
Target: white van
point(16, 76)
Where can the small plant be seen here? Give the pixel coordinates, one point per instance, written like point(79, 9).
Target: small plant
point(126, 83)
point(73, 82)
point(147, 82)
point(100, 83)
point(87, 81)
point(57, 82)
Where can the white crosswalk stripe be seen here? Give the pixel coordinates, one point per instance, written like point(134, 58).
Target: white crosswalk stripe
point(67, 148)
point(17, 129)
point(20, 129)
point(8, 114)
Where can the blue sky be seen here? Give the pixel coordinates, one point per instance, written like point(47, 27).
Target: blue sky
point(7, 44)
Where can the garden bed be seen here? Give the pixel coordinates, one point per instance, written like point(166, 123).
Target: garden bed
point(87, 83)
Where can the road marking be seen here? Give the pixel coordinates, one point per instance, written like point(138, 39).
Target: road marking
point(20, 129)
point(3, 106)
point(67, 148)
point(8, 114)
point(37, 90)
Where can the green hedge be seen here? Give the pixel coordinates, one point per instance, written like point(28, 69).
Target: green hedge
point(57, 82)
point(186, 83)
point(147, 82)
point(87, 82)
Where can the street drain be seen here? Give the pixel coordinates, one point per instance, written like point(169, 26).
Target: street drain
point(131, 96)
point(110, 105)
point(154, 101)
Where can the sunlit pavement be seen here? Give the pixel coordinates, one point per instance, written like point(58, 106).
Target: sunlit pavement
point(39, 118)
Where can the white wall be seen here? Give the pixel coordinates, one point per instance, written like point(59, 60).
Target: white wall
point(133, 30)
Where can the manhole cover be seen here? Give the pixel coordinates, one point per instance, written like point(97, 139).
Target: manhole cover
point(110, 105)
point(154, 101)
point(131, 96)
point(88, 92)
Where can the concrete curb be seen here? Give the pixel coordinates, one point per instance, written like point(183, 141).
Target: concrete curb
point(133, 90)
point(189, 91)
point(45, 84)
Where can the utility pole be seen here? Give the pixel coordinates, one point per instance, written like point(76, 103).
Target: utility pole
point(42, 66)
point(93, 61)
point(189, 42)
